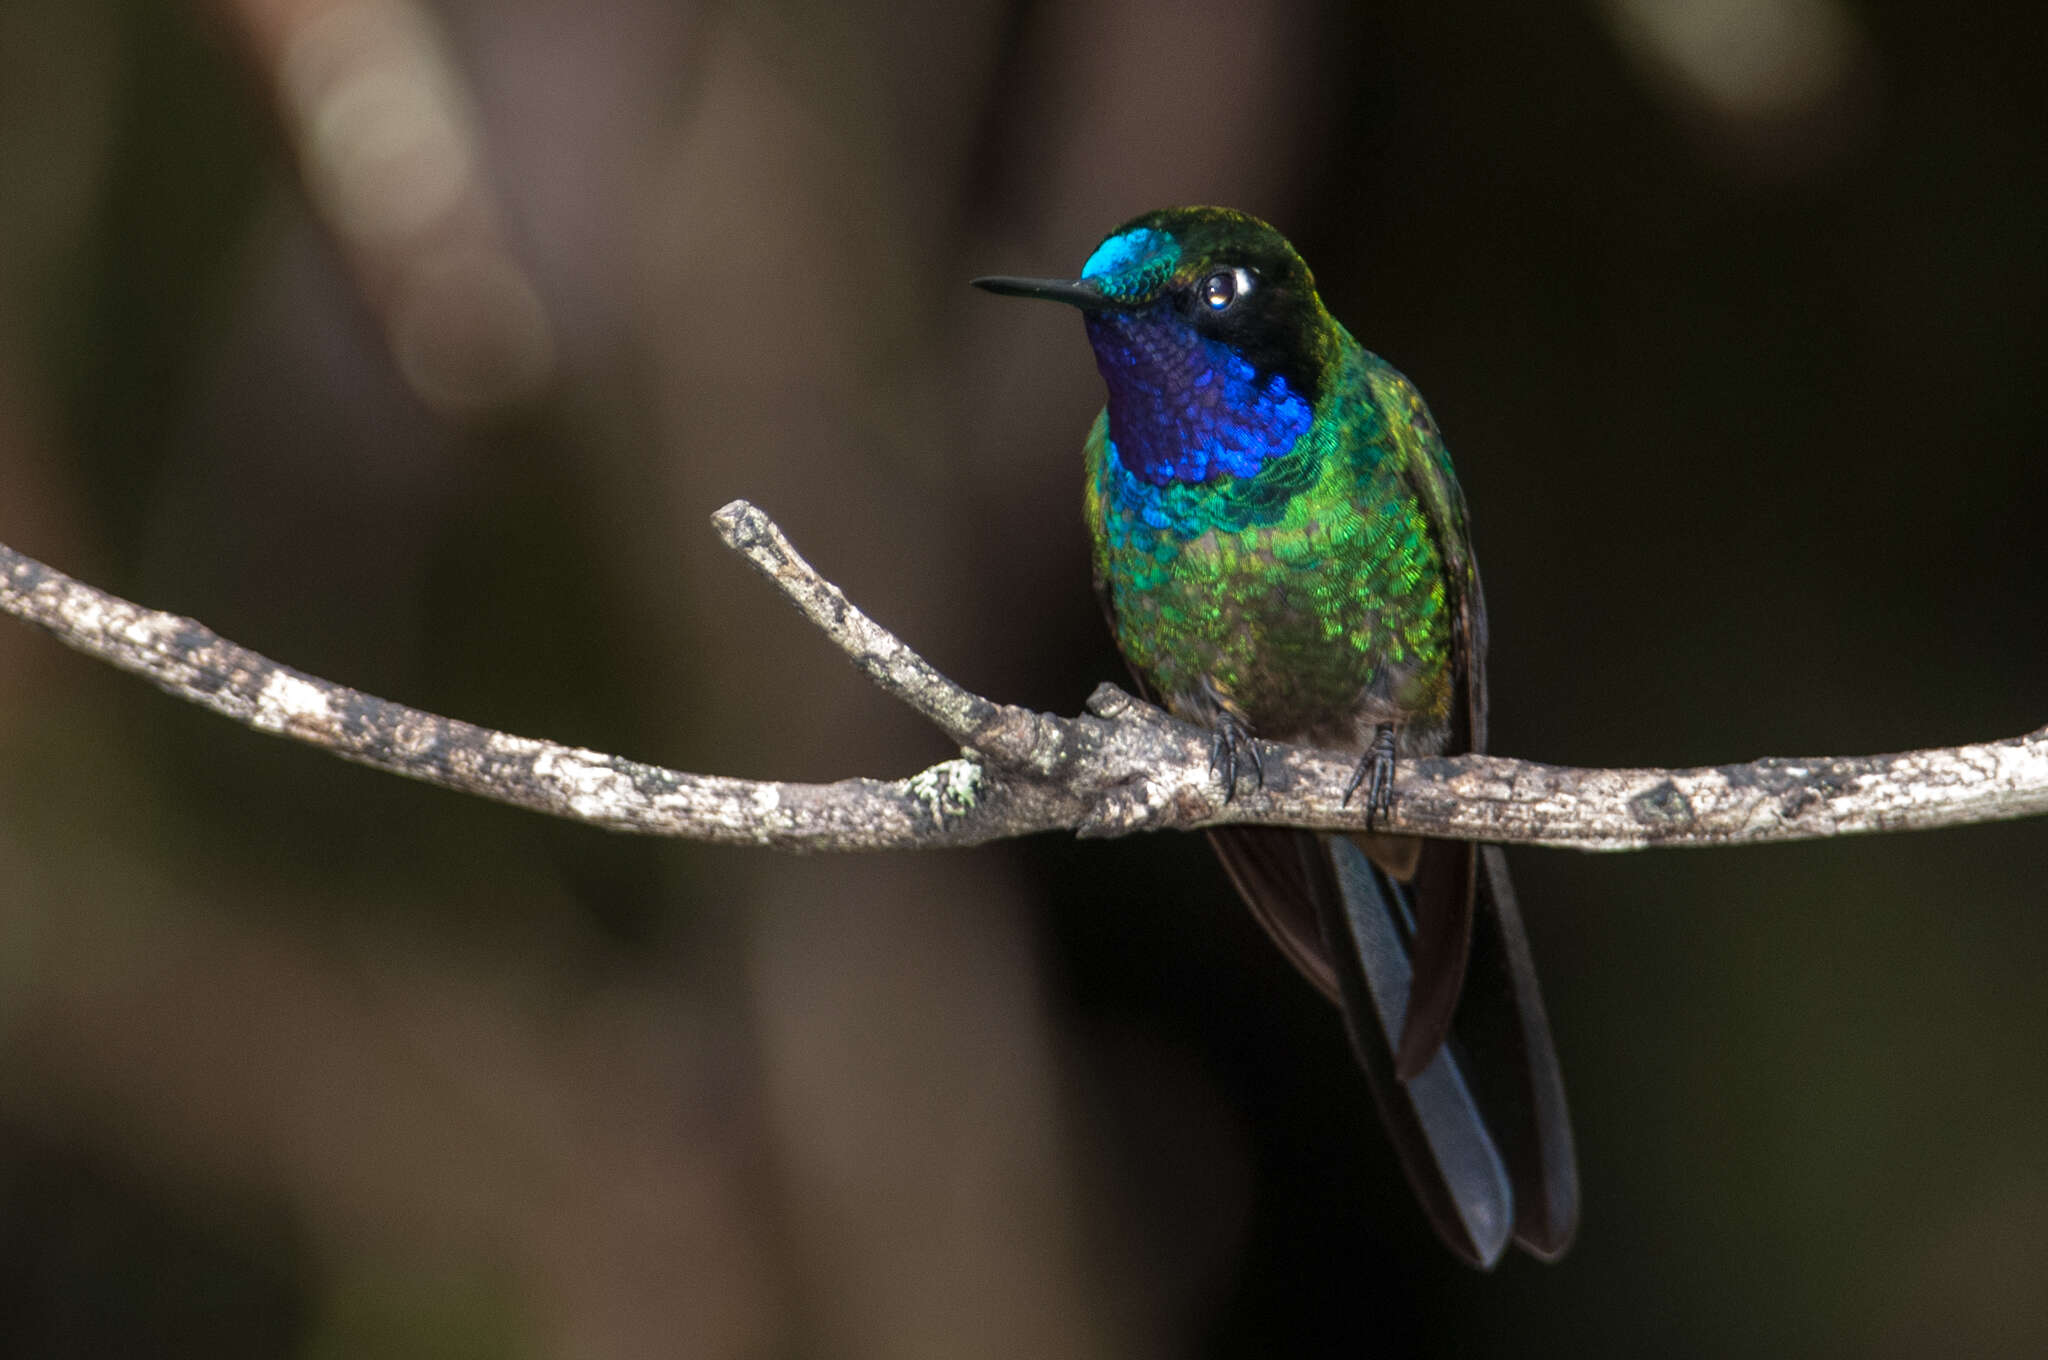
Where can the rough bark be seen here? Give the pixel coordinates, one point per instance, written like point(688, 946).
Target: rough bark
point(1123, 766)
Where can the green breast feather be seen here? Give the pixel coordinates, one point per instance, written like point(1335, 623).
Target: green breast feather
point(1307, 598)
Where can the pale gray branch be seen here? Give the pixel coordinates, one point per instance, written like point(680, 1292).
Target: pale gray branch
point(1123, 766)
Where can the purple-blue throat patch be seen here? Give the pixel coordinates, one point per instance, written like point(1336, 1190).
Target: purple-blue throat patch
point(1182, 406)
point(1186, 408)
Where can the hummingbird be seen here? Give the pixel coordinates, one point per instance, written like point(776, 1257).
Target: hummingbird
point(1281, 549)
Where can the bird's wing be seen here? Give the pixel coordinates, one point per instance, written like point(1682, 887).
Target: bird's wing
point(1444, 883)
point(1426, 466)
point(1500, 1022)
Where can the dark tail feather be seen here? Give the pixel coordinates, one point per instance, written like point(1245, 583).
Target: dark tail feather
point(1271, 871)
point(1513, 1067)
point(1482, 1131)
point(1442, 896)
point(1435, 1118)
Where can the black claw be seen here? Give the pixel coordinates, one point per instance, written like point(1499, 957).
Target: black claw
point(1223, 761)
point(1233, 738)
point(1376, 771)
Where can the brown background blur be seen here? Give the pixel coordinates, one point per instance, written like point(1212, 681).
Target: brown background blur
point(413, 347)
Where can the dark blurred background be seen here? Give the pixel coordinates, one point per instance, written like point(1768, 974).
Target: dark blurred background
point(413, 344)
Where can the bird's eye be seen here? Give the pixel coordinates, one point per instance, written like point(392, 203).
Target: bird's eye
point(1224, 287)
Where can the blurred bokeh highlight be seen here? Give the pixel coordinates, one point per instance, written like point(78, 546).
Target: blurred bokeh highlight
point(413, 344)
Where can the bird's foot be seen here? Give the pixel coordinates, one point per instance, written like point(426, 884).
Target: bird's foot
point(1375, 771)
point(1234, 744)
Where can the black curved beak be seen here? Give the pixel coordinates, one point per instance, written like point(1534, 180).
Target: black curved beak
point(1082, 295)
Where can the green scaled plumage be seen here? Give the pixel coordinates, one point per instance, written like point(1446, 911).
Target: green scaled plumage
point(1281, 549)
point(1288, 595)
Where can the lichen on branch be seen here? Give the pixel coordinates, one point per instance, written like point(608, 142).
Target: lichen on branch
point(1121, 767)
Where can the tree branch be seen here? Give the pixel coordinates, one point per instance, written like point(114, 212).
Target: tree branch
point(1123, 766)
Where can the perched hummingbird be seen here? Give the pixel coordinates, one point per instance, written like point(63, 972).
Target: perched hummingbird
point(1281, 549)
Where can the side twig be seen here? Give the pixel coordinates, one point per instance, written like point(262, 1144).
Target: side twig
point(1123, 766)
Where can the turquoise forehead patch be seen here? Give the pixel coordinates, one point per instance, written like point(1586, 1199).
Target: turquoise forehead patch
point(1132, 261)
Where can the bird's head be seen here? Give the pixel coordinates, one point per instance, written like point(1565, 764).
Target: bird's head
point(1209, 335)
